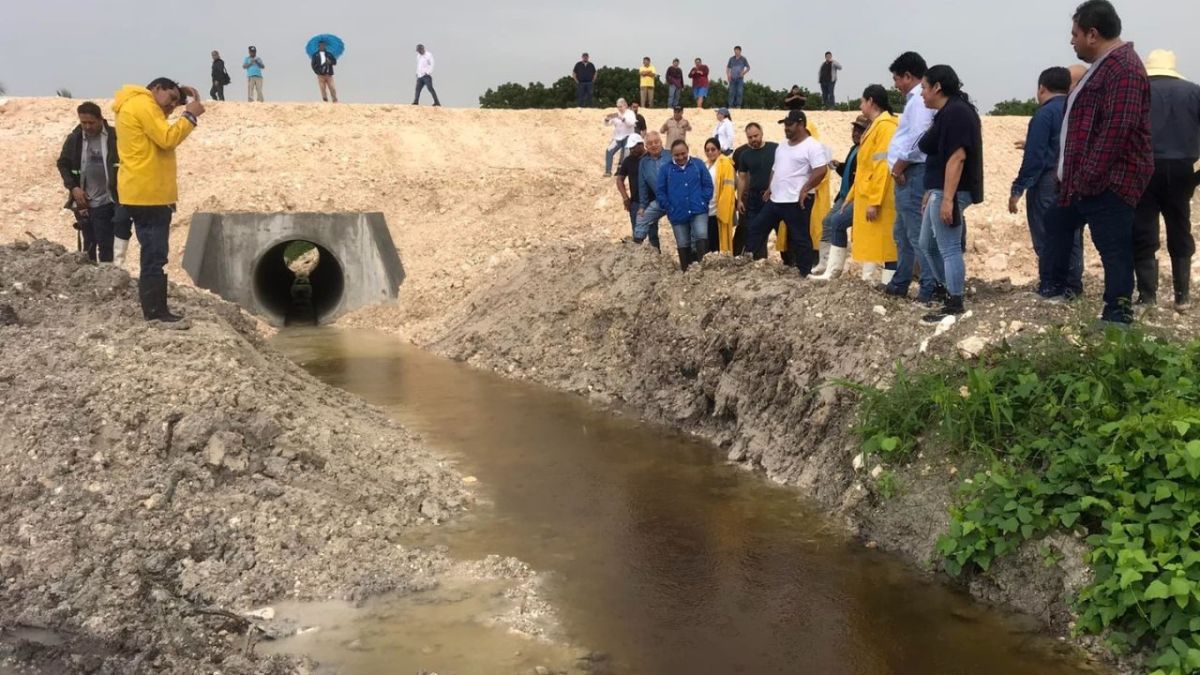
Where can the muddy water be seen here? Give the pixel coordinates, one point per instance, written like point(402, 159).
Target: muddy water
point(659, 554)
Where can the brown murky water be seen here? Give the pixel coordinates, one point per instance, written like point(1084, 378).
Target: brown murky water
point(659, 554)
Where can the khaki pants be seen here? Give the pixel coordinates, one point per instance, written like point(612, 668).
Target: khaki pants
point(325, 83)
point(647, 97)
point(254, 87)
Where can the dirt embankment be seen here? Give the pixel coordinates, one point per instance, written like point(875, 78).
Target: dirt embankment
point(156, 484)
point(750, 356)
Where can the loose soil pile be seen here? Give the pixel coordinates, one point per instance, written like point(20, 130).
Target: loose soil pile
point(156, 484)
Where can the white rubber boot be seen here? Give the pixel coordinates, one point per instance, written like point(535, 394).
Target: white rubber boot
point(835, 264)
point(119, 248)
point(886, 276)
point(823, 260)
point(868, 272)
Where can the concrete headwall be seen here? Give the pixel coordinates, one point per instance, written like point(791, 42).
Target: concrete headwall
point(227, 253)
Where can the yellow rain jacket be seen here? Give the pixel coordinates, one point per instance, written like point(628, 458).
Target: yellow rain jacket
point(822, 204)
point(874, 186)
point(146, 145)
point(726, 187)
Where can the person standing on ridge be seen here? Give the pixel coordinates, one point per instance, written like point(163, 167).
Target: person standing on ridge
point(146, 181)
point(735, 72)
point(647, 77)
point(699, 76)
point(723, 132)
point(827, 78)
point(425, 76)
point(220, 77)
point(584, 75)
point(253, 65)
point(322, 65)
point(674, 84)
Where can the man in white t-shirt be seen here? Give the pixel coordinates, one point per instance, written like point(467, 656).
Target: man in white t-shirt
point(800, 165)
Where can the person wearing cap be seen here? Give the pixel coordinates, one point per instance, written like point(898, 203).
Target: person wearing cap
point(322, 65)
point(684, 188)
point(147, 183)
point(724, 131)
point(584, 75)
point(650, 212)
point(627, 172)
point(699, 76)
point(1175, 131)
point(674, 83)
point(425, 76)
point(253, 65)
point(721, 206)
point(623, 123)
point(840, 217)
point(800, 165)
point(676, 128)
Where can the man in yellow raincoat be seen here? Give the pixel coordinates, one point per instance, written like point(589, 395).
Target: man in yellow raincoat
point(147, 184)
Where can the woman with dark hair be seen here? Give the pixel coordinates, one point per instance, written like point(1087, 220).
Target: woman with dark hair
point(953, 181)
point(720, 207)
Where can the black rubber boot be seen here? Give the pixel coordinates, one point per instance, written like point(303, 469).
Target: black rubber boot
point(1146, 274)
point(153, 294)
point(685, 258)
point(953, 307)
point(701, 248)
point(146, 297)
point(1181, 275)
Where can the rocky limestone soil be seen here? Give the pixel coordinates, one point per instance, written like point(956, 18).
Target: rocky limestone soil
point(157, 484)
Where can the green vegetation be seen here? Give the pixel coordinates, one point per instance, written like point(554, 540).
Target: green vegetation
point(1014, 107)
point(1097, 436)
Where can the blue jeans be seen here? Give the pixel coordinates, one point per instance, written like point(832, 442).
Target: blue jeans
point(672, 96)
point(647, 224)
point(835, 225)
point(687, 232)
point(612, 152)
point(797, 217)
point(1038, 201)
point(1111, 220)
point(114, 224)
point(736, 89)
point(153, 227)
point(583, 94)
point(943, 244)
point(423, 82)
point(907, 233)
point(827, 94)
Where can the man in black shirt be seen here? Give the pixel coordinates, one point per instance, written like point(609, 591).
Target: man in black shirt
point(585, 81)
point(628, 171)
point(753, 163)
point(640, 127)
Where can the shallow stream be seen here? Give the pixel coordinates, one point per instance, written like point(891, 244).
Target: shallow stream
point(659, 554)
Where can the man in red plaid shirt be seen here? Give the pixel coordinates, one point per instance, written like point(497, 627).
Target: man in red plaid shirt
point(1106, 158)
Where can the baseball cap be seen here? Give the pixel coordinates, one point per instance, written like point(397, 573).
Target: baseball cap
point(862, 122)
point(795, 116)
point(253, 48)
point(633, 140)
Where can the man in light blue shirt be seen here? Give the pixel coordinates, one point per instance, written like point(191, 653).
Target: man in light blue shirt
point(907, 164)
point(253, 65)
point(650, 212)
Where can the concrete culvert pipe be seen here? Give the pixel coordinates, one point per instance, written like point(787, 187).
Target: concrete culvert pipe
point(282, 293)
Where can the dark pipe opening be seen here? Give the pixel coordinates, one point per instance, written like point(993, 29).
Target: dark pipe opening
point(282, 292)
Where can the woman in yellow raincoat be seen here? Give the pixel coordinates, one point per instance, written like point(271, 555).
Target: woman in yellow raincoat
point(822, 202)
point(873, 196)
point(720, 209)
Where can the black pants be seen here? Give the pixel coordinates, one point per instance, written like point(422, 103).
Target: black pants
point(796, 216)
point(741, 233)
point(153, 227)
point(217, 93)
point(1111, 221)
point(92, 229)
point(423, 82)
point(1170, 195)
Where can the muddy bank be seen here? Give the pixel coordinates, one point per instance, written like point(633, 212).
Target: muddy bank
point(750, 356)
point(157, 484)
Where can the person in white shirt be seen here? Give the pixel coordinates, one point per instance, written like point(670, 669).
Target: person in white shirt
point(623, 123)
point(424, 75)
point(800, 165)
point(724, 131)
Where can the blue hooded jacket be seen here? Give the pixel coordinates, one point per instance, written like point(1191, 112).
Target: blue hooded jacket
point(684, 191)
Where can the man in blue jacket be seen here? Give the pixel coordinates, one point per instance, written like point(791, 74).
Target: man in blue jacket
point(650, 212)
point(322, 65)
point(684, 190)
point(1037, 179)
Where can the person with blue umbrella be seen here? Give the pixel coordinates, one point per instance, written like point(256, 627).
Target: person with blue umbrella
point(324, 51)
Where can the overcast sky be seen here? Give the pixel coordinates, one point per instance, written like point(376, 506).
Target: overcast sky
point(998, 47)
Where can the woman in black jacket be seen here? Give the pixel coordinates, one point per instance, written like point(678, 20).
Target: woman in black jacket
point(220, 78)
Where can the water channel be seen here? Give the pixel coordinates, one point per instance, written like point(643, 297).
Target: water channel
point(658, 553)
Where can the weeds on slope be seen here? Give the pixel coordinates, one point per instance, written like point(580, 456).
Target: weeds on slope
point(1098, 436)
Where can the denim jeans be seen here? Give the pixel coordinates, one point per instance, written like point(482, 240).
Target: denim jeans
point(687, 232)
point(796, 216)
point(736, 89)
point(1111, 220)
point(153, 227)
point(583, 94)
point(672, 96)
point(98, 233)
point(647, 225)
point(1042, 197)
point(611, 152)
point(907, 233)
point(422, 82)
point(943, 244)
point(741, 233)
point(827, 98)
point(835, 225)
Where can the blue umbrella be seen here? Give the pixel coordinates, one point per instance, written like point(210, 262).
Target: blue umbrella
point(333, 45)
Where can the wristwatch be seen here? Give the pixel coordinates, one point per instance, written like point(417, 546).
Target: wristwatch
point(191, 118)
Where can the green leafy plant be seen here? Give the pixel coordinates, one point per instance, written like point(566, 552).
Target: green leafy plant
point(1015, 108)
point(1099, 437)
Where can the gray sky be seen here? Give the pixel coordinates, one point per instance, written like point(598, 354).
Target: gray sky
point(997, 46)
